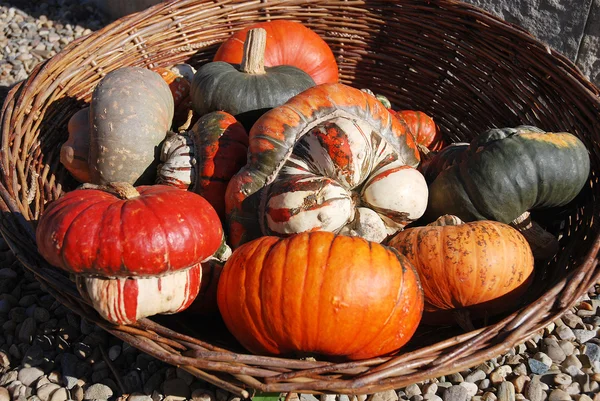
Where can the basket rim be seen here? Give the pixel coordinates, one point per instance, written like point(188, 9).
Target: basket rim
point(201, 358)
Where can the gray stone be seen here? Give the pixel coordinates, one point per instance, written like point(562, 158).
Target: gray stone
point(588, 58)
point(432, 397)
point(471, 388)
point(558, 395)
point(144, 397)
point(583, 336)
point(455, 393)
point(389, 395)
point(565, 333)
point(534, 391)
point(114, 352)
point(430, 388)
point(412, 389)
point(506, 391)
point(98, 391)
point(592, 351)
point(9, 377)
point(28, 376)
point(62, 394)
point(46, 391)
point(485, 384)
point(475, 376)
point(27, 330)
point(537, 367)
point(34, 356)
point(552, 348)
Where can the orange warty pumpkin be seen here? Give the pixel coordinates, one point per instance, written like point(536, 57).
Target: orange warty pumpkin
point(320, 294)
point(483, 266)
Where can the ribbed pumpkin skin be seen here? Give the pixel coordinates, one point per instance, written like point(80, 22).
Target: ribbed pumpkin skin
point(304, 295)
point(468, 265)
point(288, 43)
point(165, 229)
point(509, 171)
point(205, 158)
point(424, 129)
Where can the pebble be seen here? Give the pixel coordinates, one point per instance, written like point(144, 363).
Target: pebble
point(565, 333)
point(534, 391)
point(4, 395)
point(28, 376)
point(455, 393)
point(471, 388)
point(592, 351)
point(412, 389)
point(583, 336)
point(62, 394)
point(98, 391)
point(475, 376)
point(46, 391)
point(559, 395)
point(506, 391)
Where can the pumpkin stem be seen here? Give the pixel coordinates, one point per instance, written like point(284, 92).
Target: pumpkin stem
point(446, 220)
point(543, 244)
point(123, 190)
point(253, 61)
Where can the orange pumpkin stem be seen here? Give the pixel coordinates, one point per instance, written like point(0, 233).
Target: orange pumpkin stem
point(253, 61)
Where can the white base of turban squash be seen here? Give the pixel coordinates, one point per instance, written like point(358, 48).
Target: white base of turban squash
point(124, 300)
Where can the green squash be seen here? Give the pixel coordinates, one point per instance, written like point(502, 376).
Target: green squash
point(247, 90)
point(509, 171)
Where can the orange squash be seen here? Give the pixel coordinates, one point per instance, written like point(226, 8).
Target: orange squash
point(307, 295)
point(74, 152)
point(483, 266)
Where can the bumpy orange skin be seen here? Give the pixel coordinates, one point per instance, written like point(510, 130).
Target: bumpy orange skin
point(483, 266)
point(320, 294)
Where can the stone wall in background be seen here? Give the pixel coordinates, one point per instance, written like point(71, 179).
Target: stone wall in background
point(571, 27)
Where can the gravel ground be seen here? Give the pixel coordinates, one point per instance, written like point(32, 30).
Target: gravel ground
point(48, 353)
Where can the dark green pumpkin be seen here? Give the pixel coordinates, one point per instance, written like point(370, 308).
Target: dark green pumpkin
point(445, 158)
point(247, 90)
point(509, 171)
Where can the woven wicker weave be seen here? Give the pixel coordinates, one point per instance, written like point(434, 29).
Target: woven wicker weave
point(468, 69)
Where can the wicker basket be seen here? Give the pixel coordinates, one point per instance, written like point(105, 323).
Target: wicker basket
point(468, 69)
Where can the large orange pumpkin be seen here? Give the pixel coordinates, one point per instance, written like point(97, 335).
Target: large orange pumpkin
point(320, 294)
point(483, 266)
point(288, 43)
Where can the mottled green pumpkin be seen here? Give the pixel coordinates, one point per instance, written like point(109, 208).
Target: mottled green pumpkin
point(509, 171)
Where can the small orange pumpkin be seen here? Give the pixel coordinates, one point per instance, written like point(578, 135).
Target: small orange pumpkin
point(482, 266)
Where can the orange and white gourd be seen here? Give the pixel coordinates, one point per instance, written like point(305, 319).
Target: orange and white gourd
point(135, 252)
point(205, 158)
point(330, 159)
